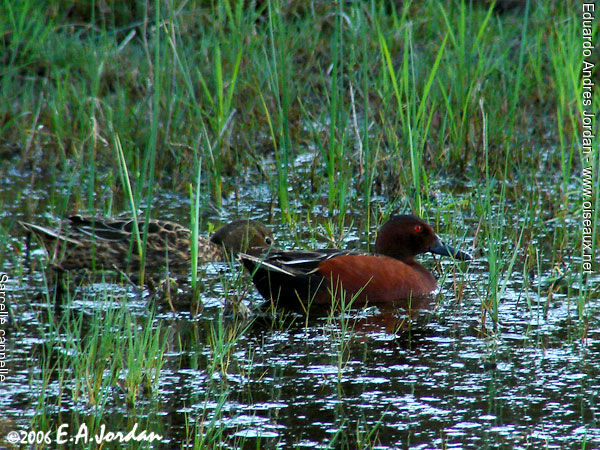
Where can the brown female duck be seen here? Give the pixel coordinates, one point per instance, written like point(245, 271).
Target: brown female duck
point(101, 243)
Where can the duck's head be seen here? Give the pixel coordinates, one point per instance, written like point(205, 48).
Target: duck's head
point(405, 236)
point(242, 236)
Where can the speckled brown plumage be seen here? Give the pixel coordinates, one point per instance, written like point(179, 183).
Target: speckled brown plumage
point(100, 243)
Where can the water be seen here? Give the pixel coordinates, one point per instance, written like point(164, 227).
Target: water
point(440, 377)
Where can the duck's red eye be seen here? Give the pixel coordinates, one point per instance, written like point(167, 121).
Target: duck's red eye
point(418, 228)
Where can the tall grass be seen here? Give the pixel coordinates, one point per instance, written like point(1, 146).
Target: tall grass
point(566, 66)
point(414, 122)
point(278, 79)
point(201, 73)
point(194, 219)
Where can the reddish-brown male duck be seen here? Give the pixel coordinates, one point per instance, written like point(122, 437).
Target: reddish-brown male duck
point(300, 279)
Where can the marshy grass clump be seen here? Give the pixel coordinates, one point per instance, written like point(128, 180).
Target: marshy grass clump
point(385, 97)
point(322, 119)
point(89, 359)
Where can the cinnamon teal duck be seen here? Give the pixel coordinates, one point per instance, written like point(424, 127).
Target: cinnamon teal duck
point(299, 279)
point(101, 243)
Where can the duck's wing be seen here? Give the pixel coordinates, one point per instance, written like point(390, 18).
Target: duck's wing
point(49, 235)
point(79, 229)
point(293, 263)
point(290, 278)
point(102, 228)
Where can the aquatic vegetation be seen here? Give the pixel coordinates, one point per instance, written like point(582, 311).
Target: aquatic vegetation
point(323, 120)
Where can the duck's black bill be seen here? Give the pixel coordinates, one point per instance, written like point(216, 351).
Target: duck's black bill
point(439, 248)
